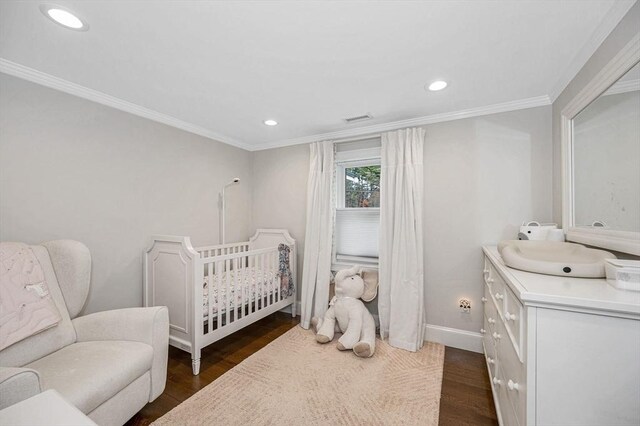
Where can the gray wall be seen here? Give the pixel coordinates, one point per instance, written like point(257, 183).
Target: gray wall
point(280, 193)
point(619, 37)
point(71, 168)
point(483, 177)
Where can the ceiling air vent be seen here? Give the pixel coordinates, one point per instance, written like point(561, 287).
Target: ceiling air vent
point(358, 118)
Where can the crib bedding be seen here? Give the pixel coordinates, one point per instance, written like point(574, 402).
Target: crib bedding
point(251, 282)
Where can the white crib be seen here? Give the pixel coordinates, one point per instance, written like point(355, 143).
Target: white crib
point(193, 284)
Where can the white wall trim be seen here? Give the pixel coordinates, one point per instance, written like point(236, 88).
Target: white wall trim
point(453, 337)
point(610, 21)
point(287, 309)
point(413, 122)
point(38, 77)
point(623, 87)
point(623, 61)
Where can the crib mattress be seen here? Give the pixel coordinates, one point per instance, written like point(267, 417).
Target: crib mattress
point(252, 283)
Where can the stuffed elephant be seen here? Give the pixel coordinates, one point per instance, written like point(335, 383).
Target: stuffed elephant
point(347, 313)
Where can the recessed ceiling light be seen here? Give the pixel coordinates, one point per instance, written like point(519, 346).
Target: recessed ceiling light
point(63, 16)
point(271, 122)
point(437, 85)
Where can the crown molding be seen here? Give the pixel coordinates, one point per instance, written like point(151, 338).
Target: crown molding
point(38, 77)
point(623, 87)
point(412, 122)
point(622, 62)
point(610, 21)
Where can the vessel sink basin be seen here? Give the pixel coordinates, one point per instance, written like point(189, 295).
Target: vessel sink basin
point(554, 258)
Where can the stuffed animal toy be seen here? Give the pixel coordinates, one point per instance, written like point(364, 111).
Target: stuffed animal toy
point(347, 313)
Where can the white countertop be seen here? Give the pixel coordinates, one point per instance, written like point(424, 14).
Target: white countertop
point(584, 293)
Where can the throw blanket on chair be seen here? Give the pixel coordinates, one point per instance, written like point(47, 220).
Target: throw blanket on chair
point(26, 307)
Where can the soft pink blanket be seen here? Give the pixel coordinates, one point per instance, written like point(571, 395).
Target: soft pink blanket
point(26, 307)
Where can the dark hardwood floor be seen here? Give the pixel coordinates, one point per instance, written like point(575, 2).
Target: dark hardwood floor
point(466, 394)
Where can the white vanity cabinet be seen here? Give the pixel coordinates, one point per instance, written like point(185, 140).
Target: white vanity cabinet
point(560, 351)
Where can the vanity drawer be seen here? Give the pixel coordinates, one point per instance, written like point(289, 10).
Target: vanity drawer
point(497, 291)
point(488, 269)
point(490, 312)
point(490, 356)
point(488, 340)
point(513, 313)
point(507, 412)
point(498, 335)
point(514, 377)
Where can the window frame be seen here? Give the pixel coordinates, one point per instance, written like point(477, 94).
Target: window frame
point(341, 177)
point(343, 161)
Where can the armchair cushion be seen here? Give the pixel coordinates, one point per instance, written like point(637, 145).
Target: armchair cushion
point(146, 325)
point(17, 384)
point(89, 373)
point(71, 262)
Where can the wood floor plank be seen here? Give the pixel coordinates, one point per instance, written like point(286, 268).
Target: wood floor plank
point(466, 393)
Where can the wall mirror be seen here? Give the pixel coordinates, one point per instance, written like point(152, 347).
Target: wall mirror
point(601, 157)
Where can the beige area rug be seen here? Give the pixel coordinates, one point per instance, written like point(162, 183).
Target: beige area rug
point(296, 381)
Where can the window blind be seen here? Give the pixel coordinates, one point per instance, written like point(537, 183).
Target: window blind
point(357, 233)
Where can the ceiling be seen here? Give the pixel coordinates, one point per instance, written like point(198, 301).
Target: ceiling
point(221, 68)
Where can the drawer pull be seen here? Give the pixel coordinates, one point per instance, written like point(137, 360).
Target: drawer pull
point(484, 299)
point(486, 271)
point(513, 385)
point(491, 320)
point(491, 360)
point(496, 336)
point(499, 296)
point(510, 317)
point(490, 280)
point(483, 331)
point(497, 381)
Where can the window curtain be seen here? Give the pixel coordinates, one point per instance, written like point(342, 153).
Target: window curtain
point(316, 272)
point(401, 298)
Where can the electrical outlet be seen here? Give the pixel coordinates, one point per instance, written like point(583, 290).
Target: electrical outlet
point(465, 305)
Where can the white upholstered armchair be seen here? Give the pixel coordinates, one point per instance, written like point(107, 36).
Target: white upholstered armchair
point(108, 364)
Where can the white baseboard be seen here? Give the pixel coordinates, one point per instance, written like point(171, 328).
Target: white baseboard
point(287, 309)
point(454, 337)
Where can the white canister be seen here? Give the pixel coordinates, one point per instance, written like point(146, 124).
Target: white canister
point(535, 230)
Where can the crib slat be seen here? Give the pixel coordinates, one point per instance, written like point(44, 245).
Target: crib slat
point(228, 282)
point(219, 293)
point(274, 277)
point(253, 263)
point(238, 306)
point(268, 278)
point(265, 271)
point(241, 272)
point(271, 292)
point(210, 295)
point(262, 283)
point(246, 285)
point(278, 280)
point(256, 288)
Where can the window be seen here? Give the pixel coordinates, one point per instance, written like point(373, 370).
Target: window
point(357, 207)
point(362, 186)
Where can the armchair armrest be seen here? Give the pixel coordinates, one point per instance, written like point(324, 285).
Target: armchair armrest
point(17, 384)
point(146, 325)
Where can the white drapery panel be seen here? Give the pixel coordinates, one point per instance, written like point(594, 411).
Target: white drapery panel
point(401, 297)
point(316, 272)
